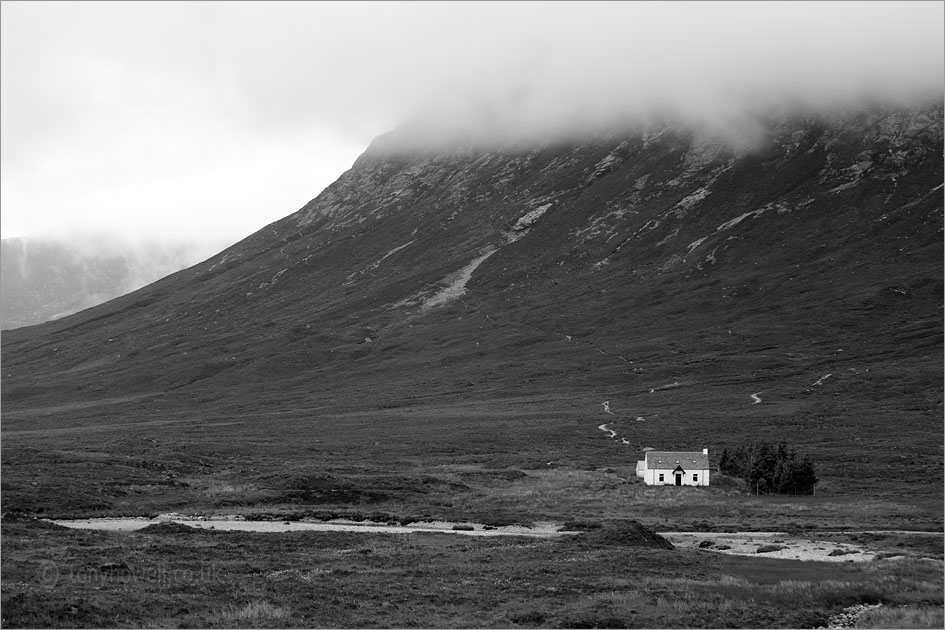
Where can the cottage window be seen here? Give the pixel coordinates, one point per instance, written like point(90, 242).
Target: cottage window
point(661, 476)
point(695, 477)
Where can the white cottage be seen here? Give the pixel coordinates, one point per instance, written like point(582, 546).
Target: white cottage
point(675, 468)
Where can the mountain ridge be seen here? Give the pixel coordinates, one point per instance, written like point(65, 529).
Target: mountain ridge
point(599, 270)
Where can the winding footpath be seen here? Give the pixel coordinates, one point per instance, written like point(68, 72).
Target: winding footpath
point(611, 433)
point(606, 429)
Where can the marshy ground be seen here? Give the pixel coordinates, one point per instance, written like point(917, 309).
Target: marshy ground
point(511, 462)
point(179, 577)
point(173, 576)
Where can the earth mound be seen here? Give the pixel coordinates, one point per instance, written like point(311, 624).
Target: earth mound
point(168, 528)
point(626, 533)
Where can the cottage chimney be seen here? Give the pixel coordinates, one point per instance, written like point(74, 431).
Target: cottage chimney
point(705, 451)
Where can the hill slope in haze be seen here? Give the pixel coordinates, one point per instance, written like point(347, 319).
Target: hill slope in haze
point(45, 278)
point(659, 269)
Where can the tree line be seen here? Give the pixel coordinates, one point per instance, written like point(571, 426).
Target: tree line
point(769, 469)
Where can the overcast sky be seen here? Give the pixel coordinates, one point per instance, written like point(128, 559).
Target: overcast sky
point(211, 120)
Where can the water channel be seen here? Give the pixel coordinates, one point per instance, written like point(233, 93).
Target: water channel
point(778, 544)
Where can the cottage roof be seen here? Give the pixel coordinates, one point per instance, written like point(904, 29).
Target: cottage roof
point(670, 459)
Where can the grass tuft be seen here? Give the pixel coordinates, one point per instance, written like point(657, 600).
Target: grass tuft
point(903, 617)
point(254, 611)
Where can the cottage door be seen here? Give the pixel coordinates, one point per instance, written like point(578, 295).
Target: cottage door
point(678, 479)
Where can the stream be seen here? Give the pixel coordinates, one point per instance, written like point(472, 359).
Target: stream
point(231, 524)
point(775, 544)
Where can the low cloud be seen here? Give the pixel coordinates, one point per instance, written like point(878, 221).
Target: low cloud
point(230, 115)
point(570, 70)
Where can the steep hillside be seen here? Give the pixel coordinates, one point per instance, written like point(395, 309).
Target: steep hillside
point(790, 289)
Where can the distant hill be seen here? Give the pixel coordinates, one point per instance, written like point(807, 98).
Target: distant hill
point(44, 278)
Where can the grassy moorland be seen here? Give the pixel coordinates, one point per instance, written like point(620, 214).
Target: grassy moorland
point(509, 460)
point(709, 297)
point(537, 461)
point(175, 577)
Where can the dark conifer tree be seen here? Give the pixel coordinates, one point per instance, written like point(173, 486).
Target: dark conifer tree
point(769, 468)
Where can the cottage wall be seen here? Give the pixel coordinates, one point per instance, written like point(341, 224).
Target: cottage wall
point(658, 468)
point(651, 477)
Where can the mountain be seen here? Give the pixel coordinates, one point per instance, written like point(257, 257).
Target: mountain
point(710, 292)
point(45, 278)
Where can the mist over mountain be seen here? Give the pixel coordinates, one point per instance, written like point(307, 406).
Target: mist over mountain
point(88, 85)
point(438, 275)
point(45, 277)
